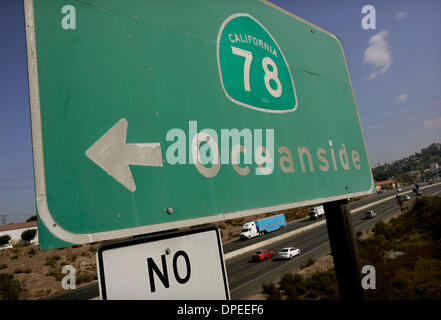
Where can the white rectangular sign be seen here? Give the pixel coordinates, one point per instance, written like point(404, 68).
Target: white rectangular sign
point(185, 265)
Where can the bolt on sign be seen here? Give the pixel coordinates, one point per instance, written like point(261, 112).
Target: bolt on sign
point(150, 115)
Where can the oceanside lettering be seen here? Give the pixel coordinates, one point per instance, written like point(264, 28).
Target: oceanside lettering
point(243, 148)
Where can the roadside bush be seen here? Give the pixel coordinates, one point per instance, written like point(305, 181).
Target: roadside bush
point(18, 244)
point(271, 291)
point(55, 273)
point(73, 257)
point(322, 284)
point(18, 270)
point(52, 261)
point(293, 286)
point(382, 230)
point(4, 239)
point(84, 277)
point(427, 216)
point(10, 289)
point(28, 235)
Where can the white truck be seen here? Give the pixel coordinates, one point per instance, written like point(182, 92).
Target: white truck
point(316, 213)
point(256, 228)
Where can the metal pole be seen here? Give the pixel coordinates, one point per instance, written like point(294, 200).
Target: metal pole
point(344, 249)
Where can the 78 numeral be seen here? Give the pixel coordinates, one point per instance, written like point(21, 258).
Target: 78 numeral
point(269, 75)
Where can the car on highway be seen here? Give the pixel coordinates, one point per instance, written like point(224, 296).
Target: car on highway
point(288, 253)
point(262, 255)
point(405, 197)
point(370, 214)
point(399, 189)
point(419, 193)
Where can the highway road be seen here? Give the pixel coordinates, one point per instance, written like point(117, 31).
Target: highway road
point(246, 277)
point(238, 244)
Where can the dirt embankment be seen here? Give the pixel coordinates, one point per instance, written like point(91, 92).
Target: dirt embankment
point(39, 273)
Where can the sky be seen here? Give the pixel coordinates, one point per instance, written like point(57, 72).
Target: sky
point(395, 71)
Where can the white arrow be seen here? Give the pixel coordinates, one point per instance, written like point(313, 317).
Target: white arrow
point(112, 154)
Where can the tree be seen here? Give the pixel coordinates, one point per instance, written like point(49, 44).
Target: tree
point(28, 235)
point(33, 218)
point(4, 239)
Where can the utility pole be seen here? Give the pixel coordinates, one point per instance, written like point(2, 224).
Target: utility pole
point(344, 249)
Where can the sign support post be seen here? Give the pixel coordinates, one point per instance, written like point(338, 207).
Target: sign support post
point(344, 249)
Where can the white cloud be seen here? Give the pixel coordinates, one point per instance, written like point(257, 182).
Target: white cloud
point(402, 97)
point(401, 15)
point(435, 123)
point(378, 55)
point(373, 75)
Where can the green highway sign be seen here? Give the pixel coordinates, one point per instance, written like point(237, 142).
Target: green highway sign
point(152, 115)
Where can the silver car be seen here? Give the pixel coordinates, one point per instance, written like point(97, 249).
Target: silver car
point(370, 214)
point(288, 253)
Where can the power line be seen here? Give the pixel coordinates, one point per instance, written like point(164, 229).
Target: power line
point(395, 131)
point(391, 128)
point(428, 113)
point(397, 124)
point(433, 109)
point(406, 104)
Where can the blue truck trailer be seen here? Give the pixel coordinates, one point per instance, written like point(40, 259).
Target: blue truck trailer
point(256, 228)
